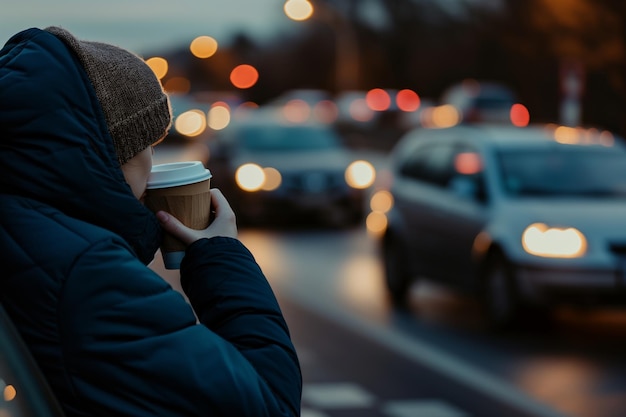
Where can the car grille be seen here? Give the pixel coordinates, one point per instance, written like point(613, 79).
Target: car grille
point(312, 182)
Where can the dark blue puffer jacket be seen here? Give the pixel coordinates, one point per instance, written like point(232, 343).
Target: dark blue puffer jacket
point(111, 336)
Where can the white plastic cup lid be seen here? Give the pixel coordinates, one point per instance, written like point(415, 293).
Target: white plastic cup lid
point(177, 173)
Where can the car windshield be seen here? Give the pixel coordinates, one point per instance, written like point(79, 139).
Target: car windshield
point(564, 172)
point(293, 138)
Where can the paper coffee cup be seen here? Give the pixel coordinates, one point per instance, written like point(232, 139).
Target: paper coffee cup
point(183, 189)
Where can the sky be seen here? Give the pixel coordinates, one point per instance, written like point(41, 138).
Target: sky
point(143, 26)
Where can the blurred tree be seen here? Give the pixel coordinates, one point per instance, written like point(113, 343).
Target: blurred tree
point(589, 33)
point(423, 45)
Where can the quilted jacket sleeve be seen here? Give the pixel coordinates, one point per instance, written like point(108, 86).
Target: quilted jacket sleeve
point(133, 346)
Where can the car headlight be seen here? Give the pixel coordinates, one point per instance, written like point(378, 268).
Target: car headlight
point(552, 242)
point(360, 174)
point(273, 179)
point(250, 177)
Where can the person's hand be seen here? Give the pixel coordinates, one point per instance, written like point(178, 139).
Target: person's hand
point(224, 223)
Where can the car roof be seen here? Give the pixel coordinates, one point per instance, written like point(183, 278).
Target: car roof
point(508, 136)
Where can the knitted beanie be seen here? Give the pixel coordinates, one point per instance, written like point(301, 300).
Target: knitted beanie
point(136, 108)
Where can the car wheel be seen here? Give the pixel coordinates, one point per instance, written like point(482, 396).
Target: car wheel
point(501, 300)
point(397, 272)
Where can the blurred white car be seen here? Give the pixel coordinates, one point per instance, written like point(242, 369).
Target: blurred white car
point(521, 217)
point(271, 170)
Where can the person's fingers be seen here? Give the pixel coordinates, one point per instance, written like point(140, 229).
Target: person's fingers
point(220, 204)
point(224, 223)
point(174, 227)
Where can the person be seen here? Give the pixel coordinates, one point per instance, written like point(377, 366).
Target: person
point(78, 122)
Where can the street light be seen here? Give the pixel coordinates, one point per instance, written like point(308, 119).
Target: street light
point(346, 52)
point(298, 9)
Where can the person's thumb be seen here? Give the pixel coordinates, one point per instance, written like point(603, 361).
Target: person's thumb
point(175, 227)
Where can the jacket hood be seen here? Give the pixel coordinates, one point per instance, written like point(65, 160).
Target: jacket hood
point(55, 146)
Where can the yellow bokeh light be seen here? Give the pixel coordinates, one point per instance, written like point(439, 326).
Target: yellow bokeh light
point(441, 116)
point(219, 117)
point(190, 123)
point(541, 240)
point(250, 177)
point(158, 65)
point(298, 9)
point(360, 174)
point(9, 393)
point(566, 135)
point(203, 47)
point(381, 201)
point(376, 223)
point(273, 179)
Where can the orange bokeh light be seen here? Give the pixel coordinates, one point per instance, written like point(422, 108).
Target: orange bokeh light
point(179, 85)
point(244, 76)
point(378, 99)
point(520, 116)
point(407, 100)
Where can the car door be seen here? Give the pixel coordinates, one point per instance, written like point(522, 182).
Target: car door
point(464, 208)
point(418, 193)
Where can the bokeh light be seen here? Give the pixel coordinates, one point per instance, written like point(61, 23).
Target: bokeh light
point(326, 111)
point(520, 116)
point(244, 110)
point(203, 47)
point(407, 100)
point(219, 116)
point(177, 85)
point(360, 174)
point(159, 66)
point(273, 179)
point(9, 393)
point(381, 201)
point(376, 223)
point(360, 111)
point(244, 76)
point(298, 9)
point(190, 123)
point(566, 135)
point(378, 99)
point(296, 111)
point(250, 177)
point(441, 116)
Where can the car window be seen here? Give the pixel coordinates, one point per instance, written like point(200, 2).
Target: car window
point(431, 163)
point(468, 173)
point(564, 171)
point(294, 138)
point(25, 392)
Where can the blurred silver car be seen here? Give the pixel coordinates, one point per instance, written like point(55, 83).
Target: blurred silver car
point(273, 171)
point(481, 101)
point(521, 217)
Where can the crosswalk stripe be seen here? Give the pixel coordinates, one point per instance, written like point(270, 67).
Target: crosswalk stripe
point(422, 408)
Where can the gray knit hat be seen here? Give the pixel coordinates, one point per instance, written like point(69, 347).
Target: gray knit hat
point(136, 108)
